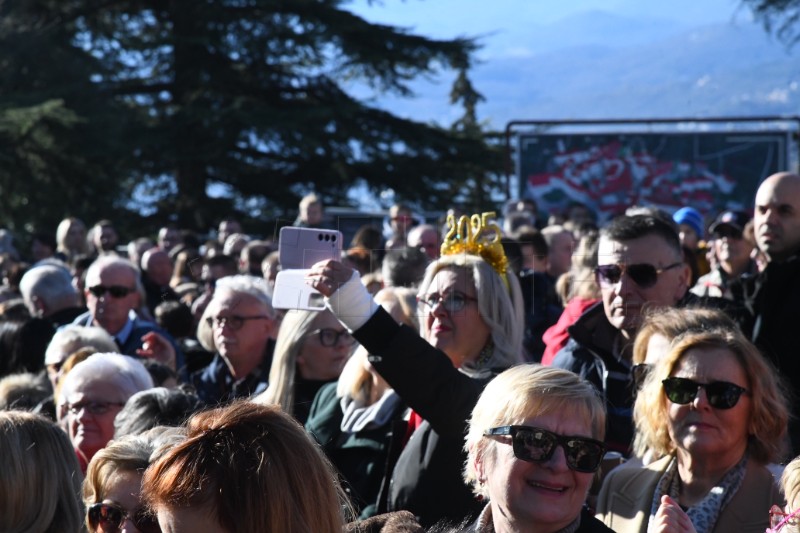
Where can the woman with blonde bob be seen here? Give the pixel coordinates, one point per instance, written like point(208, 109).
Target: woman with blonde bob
point(245, 467)
point(40, 483)
point(715, 410)
point(534, 464)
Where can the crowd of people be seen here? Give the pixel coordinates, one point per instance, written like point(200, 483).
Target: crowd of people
point(508, 373)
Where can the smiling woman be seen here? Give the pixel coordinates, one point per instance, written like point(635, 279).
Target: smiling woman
point(714, 408)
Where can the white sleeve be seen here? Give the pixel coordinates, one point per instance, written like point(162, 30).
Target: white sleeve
point(352, 304)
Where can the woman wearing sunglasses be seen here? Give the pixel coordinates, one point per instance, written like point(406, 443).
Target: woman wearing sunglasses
point(471, 321)
point(714, 409)
point(532, 463)
point(310, 352)
point(111, 490)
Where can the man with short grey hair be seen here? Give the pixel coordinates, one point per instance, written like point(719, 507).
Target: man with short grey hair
point(240, 318)
point(48, 293)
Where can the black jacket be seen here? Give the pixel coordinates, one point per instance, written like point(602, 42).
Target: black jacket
point(427, 479)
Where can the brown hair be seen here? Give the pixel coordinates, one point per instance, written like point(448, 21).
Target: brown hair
point(254, 468)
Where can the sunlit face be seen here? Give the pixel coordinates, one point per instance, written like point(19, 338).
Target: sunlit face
point(312, 213)
point(123, 489)
point(688, 236)
point(188, 520)
point(459, 334)
point(110, 312)
point(158, 266)
point(777, 216)
point(91, 432)
point(733, 253)
point(623, 302)
point(527, 496)
point(324, 363)
point(76, 236)
point(242, 348)
point(559, 257)
point(702, 431)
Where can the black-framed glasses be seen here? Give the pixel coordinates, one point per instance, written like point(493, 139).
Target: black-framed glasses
point(93, 408)
point(536, 445)
point(643, 274)
point(330, 337)
point(720, 394)
point(452, 302)
point(110, 518)
point(235, 322)
point(116, 291)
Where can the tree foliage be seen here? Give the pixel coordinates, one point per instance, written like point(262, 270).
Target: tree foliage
point(780, 17)
point(179, 97)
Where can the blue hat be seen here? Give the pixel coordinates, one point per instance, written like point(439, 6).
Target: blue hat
point(691, 217)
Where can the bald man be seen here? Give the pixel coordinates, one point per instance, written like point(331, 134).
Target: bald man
point(773, 297)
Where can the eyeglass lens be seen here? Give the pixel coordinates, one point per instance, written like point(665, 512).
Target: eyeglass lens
point(536, 445)
point(330, 337)
point(720, 394)
point(110, 518)
point(642, 274)
point(117, 291)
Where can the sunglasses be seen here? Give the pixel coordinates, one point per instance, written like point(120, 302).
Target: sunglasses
point(117, 291)
point(235, 322)
point(720, 394)
point(728, 232)
point(778, 519)
point(537, 445)
point(643, 274)
point(109, 518)
point(93, 408)
point(452, 302)
point(330, 337)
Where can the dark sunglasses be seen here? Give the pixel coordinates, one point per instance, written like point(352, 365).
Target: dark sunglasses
point(536, 445)
point(720, 394)
point(110, 518)
point(728, 232)
point(452, 302)
point(235, 322)
point(117, 291)
point(643, 274)
point(330, 337)
point(93, 408)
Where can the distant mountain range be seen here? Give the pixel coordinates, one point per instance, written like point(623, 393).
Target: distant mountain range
point(598, 64)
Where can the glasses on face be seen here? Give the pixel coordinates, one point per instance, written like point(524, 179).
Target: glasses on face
point(116, 291)
point(108, 518)
point(729, 233)
point(778, 519)
point(452, 302)
point(537, 445)
point(720, 394)
point(643, 274)
point(93, 408)
point(330, 337)
point(235, 322)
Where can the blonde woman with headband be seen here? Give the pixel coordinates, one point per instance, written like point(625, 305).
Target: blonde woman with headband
point(471, 317)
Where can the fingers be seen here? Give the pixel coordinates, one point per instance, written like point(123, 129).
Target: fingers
point(328, 276)
point(670, 518)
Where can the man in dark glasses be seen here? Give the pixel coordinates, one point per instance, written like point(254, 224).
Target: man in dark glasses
point(113, 293)
point(640, 264)
point(773, 296)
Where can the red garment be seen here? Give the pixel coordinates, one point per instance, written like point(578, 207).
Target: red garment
point(556, 336)
point(414, 421)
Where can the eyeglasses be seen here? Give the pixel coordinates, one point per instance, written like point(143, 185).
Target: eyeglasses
point(235, 322)
point(778, 519)
point(110, 518)
point(452, 302)
point(728, 232)
point(93, 408)
point(117, 291)
point(720, 394)
point(643, 274)
point(536, 445)
point(330, 337)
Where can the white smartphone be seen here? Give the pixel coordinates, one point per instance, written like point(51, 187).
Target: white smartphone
point(301, 248)
point(292, 292)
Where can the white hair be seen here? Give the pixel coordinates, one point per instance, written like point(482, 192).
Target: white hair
point(256, 287)
point(126, 373)
point(72, 338)
point(49, 283)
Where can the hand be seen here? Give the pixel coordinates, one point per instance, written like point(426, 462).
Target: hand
point(156, 346)
point(327, 276)
point(670, 518)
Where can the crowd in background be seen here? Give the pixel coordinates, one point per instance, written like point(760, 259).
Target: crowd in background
point(467, 374)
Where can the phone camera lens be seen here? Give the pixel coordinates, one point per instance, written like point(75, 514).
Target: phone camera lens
point(319, 236)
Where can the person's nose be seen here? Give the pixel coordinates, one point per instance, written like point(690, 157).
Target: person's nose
point(557, 461)
point(439, 310)
point(700, 399)
point(128, 527)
